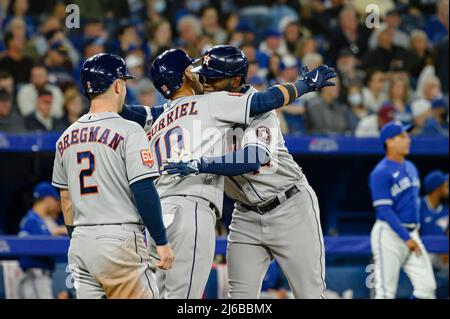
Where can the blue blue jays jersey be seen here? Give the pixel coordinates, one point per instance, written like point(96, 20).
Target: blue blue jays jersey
point(433, 221)
point(397, 185)
point(32, 224)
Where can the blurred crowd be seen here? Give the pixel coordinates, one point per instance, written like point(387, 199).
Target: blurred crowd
point(397, 69)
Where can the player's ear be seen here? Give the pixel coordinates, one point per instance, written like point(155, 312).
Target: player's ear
point(188, 74)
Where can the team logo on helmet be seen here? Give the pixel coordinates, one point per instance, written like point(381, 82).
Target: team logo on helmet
point(206, 60)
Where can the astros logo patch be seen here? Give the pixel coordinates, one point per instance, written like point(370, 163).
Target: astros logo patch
point(147, 158)
point(206, 60)
point(263, 133)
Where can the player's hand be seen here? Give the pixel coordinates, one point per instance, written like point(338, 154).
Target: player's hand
point(166, 257)
point(319, 77)
point(413, 246)
point(182, 168)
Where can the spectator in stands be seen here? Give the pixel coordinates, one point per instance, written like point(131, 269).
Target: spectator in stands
point(7, 82)
point(436, 121)
point(292, 37)
point(128, 40)
point(210, 24)
point(17, 26)
point(271, 45)
point(28, 93)
point(398, 96)
point(41, 119)
point(307, 46)
point(346, 65)
point(421, 55)
point(428, 90)
point(146, 93)
point(273, 69)
point(387, 56)
point(73, 106)
point(291, 115)
point(10, 121)
point(14, 61)
point(324, 114)
point(36, 282)
point(59, 66)
point(349, 35)
point(354, 99)
point(19, 9)
point(373, 92)
point(189, 30)
point(135, 64)
point(421, 113)
point(393, 22)
point(441, 63)
point(371, 125)
point(160, 38)
point(437, 28)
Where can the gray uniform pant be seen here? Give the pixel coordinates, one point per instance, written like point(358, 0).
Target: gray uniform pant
point(111, 261)
point(190, 226)
point(36, 284)
point(290, 233)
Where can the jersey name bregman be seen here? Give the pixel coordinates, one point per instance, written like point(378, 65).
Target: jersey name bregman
point(90, 134)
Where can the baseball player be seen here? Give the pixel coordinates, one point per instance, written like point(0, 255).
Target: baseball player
point(276, 215)
point(395, 241)
point(36, 282)
point(198, 125)
point(433, 213)
point(103, 167)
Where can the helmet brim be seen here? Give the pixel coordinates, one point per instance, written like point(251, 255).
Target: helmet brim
point(208, 73)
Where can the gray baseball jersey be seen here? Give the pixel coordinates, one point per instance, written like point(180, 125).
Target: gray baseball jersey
point(97, 159)
point(198, 125)
point(257, 187)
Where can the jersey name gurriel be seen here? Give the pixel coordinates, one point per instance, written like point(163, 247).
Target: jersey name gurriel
point(89, 135)
point(179, 111)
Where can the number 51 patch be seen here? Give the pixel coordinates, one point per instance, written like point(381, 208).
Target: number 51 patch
point(147, 158)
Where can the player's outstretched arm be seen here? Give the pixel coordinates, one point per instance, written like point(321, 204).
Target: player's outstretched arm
point(66, 206)
point(283, 94)
point(143, 115)
point(247, 160)
point(149, 207)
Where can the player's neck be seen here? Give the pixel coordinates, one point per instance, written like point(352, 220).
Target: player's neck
point(100, 105)
point(183, 91)
point(395, 157)
point(434, 200)
point(40, 210)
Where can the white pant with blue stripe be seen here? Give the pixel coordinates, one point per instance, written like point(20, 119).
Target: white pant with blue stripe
point(391, 254)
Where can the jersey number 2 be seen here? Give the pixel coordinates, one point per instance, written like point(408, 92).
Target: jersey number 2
point(87, 172)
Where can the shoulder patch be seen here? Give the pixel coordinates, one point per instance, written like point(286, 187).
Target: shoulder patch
point(263, 133)
point(146, 157)
point(235, 94)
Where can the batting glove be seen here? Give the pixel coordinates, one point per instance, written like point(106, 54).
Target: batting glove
point(182, 168)
point(318, 78)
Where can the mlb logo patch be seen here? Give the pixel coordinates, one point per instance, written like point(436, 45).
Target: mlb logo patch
point(147, 158)
point(263, 134)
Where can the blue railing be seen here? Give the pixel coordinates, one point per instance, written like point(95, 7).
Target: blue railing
point(305, 145)
point(13, 246)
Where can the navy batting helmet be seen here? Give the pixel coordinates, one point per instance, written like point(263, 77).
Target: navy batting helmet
point(167, 71)
point(99, 72)
point(223, 61)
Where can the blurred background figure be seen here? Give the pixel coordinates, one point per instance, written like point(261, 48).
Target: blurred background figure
point(370, 125)
point(275, 284)
point(28, 93)
point(73, 106)
point(434, 222)
point(14, 60)
point(37, 279)
point(10, 120)
point(41, 119)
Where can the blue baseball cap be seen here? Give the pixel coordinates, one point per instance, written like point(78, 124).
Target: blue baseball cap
point(434, 180)
point(439, 103)
point(45, 189)
point(393, 129)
